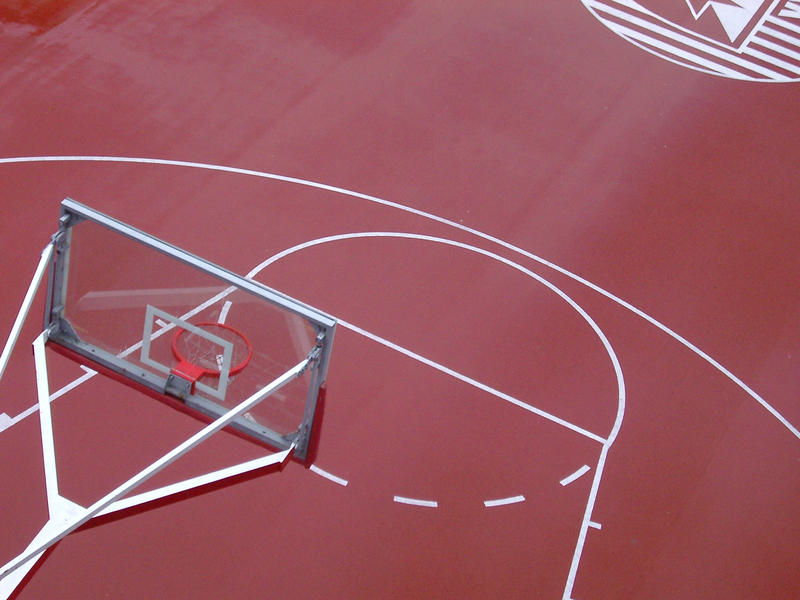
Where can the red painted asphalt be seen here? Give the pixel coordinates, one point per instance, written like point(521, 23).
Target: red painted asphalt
point(672, 189)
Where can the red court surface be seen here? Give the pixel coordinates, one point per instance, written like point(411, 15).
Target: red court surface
point(561, 240)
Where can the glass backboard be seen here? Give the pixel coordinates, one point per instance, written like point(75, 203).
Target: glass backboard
point(159, 317)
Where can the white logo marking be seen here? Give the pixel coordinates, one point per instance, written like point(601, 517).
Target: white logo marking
point(753, 40)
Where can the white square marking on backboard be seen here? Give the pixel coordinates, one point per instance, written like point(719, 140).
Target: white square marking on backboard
point(148, 335)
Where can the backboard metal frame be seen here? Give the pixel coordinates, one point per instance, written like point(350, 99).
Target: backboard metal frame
point(61, 332)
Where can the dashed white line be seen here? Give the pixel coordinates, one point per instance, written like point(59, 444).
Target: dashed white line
point(570, 478)
point(487, 237)
point(503, 501)
point(329, 476)
point(416, 502)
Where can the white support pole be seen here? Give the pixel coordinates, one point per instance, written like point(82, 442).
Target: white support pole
point(46, 422)
point(195, 482)
point(47, 253)
point(96, 508)
point(10, 583)
point(58, 508)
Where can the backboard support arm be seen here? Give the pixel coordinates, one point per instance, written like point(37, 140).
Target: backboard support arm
point(62, 524)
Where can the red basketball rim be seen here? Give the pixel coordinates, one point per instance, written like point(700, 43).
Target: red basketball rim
point(184, 361)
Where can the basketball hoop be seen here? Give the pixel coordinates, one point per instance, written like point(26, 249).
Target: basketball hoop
point(199, 356)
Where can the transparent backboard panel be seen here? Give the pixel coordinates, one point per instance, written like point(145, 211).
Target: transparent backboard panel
point(157, 316)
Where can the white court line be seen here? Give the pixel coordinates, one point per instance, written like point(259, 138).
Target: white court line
point(329, 476)
point(57, 394)
point(416, 502)
point(503, 501)
point(595, 525)
point(5, 421)
point(223, 314)
point(470, 381)
point(24, 415)
point(71, 386)
point(570, 478)
point(477, 233)
point(412, 236)
point(432, 217)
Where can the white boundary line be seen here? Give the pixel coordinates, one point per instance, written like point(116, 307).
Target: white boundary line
point(422, 359)
point(431, 363)
point(57, 394)
point(23, 415)
point(73, 384)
